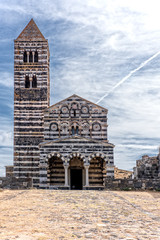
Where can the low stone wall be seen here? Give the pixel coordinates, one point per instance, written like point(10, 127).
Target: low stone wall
point(15, 183)
point(132, 184)
point(112, 184)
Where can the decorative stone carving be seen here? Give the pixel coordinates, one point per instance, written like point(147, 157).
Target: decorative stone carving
point(65, 109)
point(64, 127)
point(74, 106)
point(85, 109)
point(54, 126)
point(96, 126)
point(85, 127)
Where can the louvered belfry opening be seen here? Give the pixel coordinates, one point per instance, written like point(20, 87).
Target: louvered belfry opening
point(55, 174)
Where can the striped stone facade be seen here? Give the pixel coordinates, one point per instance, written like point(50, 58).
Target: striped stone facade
point(75, 136)
point(31, 97)
point(61, 146)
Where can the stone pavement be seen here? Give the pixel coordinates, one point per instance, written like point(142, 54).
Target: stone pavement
point(60, 215)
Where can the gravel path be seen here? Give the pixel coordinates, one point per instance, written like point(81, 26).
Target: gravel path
point(51, 215)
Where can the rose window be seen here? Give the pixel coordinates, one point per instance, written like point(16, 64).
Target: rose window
point(64, 109)
point(96, 127)
point(54, 127)
point(84, 109)
point(86, 127)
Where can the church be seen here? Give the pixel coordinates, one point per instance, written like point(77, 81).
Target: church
point(63, 146)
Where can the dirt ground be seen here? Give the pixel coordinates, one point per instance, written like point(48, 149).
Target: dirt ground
point(50, 214)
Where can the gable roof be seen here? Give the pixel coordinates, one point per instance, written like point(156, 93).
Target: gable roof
point(31, 32)
point(74, 95)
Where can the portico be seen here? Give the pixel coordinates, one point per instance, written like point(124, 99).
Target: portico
point(75, 170)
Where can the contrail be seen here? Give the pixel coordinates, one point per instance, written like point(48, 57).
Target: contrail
point(128, 76)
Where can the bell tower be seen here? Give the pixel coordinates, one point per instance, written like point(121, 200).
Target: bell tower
point(31, 97)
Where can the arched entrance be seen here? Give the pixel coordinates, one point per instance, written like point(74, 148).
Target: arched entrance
point(76, 169)
point(97, 172)
point(55, 172)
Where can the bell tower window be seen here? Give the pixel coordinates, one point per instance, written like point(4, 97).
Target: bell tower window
point(25, 57)
point(34, 82)
point(27, 83)
point(30, 57)
point(36, 57)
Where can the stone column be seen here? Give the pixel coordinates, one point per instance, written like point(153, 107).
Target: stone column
point(66, 175)
point(87, 177)
point(33, 53)
point(30, 80)
point(27, 57)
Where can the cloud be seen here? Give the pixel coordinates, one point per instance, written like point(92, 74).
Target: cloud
point(129, 75)
point(138, 146)
point(93, 45)
point(6, 79)
point(6, 154)
point(6, 132)
point(6, 145)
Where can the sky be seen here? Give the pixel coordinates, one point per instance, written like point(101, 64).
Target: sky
point(106, 51)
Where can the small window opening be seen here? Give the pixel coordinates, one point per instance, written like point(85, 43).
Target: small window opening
point(36, 57)
point(30, 57)
point(75, 130)
point(25, 57)
point(34, 82)
point(27, 83)
point(74, 112)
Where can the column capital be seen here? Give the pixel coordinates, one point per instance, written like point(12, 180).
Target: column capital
point(86, 166)
point(66, 165)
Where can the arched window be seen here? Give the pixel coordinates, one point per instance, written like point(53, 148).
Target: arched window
point(27, 83)
point(36, 57)
point(34, 82)
point(30, 57)
point(75, 130)
point(25, 57)
point(74, 112)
